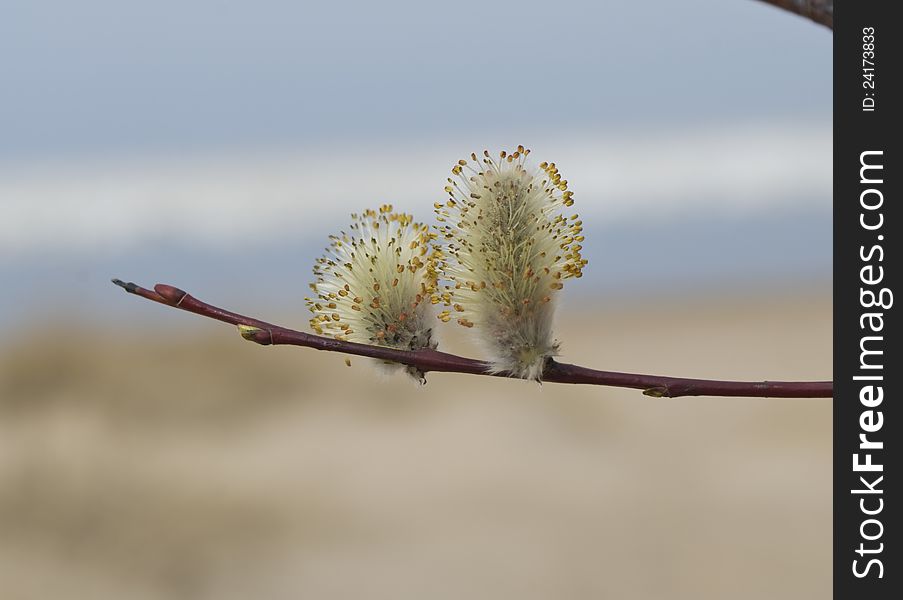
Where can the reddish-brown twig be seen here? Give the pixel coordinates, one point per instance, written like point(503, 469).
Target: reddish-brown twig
point(267, 334)
point(820, 11)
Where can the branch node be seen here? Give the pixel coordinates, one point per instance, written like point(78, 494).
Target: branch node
point(247, 332)
point(656, 392)
point(264, 337)
point(171, 294)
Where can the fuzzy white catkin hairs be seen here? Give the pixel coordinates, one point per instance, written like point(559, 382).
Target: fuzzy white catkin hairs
point(375, 284)
point(509, 248)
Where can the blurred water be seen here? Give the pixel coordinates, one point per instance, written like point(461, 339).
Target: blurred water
point(627, 261)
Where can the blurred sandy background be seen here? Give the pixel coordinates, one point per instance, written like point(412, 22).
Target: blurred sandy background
point(147, 454)
point(134, 465)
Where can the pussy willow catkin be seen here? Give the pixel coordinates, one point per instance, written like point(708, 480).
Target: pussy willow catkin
point(509, 250)
point(375, 284)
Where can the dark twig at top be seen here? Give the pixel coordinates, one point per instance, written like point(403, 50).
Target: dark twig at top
point(820, 11)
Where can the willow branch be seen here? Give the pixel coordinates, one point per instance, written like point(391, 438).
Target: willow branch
point(267, 334)
point(820, 11)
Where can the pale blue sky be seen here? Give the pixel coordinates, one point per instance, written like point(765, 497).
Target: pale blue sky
point(101, 77)
point(173, 140)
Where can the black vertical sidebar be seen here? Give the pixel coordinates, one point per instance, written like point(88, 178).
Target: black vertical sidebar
point(868, 369)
